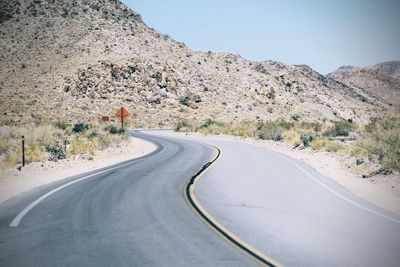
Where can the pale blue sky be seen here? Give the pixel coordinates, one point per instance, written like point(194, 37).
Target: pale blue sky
point(324, 34)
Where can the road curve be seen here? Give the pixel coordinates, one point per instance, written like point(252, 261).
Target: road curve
point(132, 214)
point(293, 214)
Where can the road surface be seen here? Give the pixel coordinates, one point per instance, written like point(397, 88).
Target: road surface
point(134, 214)
point(293, 214)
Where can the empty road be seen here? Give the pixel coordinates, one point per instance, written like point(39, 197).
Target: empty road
point(135, 214)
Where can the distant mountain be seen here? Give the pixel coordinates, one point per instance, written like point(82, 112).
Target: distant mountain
point(382, 79)
point(77, 60)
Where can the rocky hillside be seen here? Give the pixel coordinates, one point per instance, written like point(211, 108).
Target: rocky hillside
point(390, 69)
point(381, 79)
point(78, 60)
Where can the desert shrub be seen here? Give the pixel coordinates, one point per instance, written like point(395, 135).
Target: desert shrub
point(49, 139)
point(107, 127)
point(183, 126)
point(5, 145)
point(315, 126)
point(8, 122)
point(113, 130)
point(243, 129)
point(383, 141)
point(318, 143)
point(107, 140)
point(285, 124)
point(211, 126)
point(184, 100)
point(292, 137)
point(355, 149)
point(56, 151)
point(12, 159)
point(80, 127)
point(33, 153)
point(340, 128)
point(93, 133)
point(41, 135)
point(36, 139)
point(61, 125)
point(83, 146)
point(307, 138)
point(333, 146)
point(116, 130)
point(270, 130)
point(77, 147)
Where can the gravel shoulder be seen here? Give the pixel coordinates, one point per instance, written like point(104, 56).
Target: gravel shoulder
point(14, 182)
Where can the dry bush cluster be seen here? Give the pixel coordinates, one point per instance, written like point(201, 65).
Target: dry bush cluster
point(57, 141)
point(379, 141)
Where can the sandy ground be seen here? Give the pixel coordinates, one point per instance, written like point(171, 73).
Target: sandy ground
point(14, 182)
point(383, 191)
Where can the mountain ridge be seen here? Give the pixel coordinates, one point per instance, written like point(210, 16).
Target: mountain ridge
point(382, 79)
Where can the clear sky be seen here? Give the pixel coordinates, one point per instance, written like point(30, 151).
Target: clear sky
point(323, 34)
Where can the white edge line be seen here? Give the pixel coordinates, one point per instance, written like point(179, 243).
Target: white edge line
point(336, 193)
point(15, 222)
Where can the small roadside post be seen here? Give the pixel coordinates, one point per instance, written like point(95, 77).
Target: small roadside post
point(122, 117)
point(23, 151)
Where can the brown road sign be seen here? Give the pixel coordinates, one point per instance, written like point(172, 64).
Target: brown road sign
point(105, 118)
point(122, 115)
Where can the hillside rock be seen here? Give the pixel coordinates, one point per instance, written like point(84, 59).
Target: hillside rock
point(78, 60)
point(382, 80)
point(390, 69)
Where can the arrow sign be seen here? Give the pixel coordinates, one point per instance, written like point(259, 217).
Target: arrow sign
point(122, 115)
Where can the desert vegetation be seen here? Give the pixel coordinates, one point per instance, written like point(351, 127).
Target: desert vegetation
point(57, 141)
point(378, 141)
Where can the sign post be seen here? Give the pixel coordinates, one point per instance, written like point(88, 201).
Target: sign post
point(23, 151)
point(122, 115)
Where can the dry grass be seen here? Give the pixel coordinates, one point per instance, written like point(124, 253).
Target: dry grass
point(83, 145)
point(45, 142)
point(4, 145)
point(184, 126)
point(334, 146)
point(292, 137)
point(382, 141)
point(12, 157)
point(211, 126)
point(379, 140)
point(34, 153)
point(243, 128)
point(318, 143)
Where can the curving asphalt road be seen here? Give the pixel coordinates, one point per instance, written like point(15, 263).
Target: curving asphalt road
point(131, 215)
point(293, 214)
point(134, 214)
